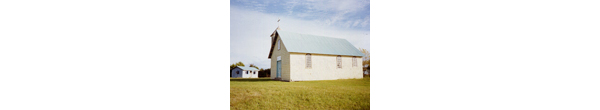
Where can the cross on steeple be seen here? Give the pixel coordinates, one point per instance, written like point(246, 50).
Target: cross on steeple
point(278, 23)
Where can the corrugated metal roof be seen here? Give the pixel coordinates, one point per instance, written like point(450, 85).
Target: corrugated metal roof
point(247, 68)
point(304, 43)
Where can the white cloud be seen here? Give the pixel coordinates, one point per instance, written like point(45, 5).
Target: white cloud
point(332, 12)
point(290, 6)
point(338, 8)
point(250, 30)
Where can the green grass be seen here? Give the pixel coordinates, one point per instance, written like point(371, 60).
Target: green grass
point(264, 93)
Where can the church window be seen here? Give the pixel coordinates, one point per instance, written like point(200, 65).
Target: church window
point(354, 63)
point(339, 61)
point(308, 61)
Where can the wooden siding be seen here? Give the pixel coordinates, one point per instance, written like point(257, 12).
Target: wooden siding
point(285, 62)
point(324, 67)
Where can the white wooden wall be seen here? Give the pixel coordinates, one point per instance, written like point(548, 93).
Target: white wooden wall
point(234, 73)
point(324, 67)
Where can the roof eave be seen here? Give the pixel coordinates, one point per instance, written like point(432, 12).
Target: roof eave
point(273, 44)
point(329, 54)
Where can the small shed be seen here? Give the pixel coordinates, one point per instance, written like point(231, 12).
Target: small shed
point(244, 72)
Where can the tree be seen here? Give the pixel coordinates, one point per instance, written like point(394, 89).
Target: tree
point(232, 66)
point(235, 65)
point(264, 72)
point(239, 64)
point(366, 59)
point(252, 65)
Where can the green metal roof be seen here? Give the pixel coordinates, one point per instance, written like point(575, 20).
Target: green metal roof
point(303, 43)
point(247, 68)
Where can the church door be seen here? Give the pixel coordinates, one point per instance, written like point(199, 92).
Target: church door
point(279, 69)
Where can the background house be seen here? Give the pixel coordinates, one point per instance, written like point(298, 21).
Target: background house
point(244, 72)
point(302, 57)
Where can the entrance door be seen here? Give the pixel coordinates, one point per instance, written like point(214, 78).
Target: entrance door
point(279, 69)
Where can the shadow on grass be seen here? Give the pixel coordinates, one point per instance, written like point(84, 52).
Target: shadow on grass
point(250, 79)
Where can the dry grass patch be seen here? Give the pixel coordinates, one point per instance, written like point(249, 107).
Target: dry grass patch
point(263, 93)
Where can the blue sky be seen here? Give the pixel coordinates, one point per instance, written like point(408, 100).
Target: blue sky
point(252, 21)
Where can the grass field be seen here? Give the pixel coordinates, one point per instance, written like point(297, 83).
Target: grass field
point(264, 93)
